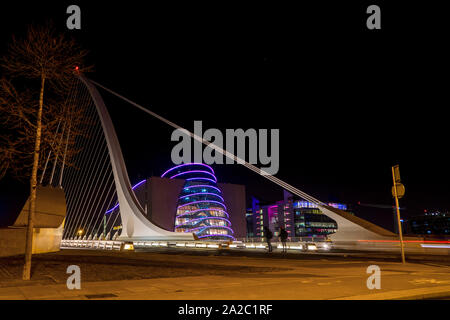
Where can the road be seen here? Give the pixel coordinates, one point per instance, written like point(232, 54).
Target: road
point(292, 277)
point(297, 254)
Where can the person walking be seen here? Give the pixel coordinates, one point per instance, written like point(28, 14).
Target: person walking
point(283, 237)
point(269, 236)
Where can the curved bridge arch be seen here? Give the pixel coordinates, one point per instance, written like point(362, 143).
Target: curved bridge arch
point(135, 226)
point(350, 228)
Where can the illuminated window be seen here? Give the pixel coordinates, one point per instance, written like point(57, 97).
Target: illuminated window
point(200, 200)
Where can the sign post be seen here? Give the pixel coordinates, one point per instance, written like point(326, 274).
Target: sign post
point(398, 190)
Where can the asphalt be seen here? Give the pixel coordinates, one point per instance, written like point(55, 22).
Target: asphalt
point(308, 276)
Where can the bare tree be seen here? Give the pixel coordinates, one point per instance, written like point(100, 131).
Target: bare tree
point(17, 139)
point(41, 65)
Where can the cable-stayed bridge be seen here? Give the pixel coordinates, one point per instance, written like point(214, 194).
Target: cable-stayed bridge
point(99, 181)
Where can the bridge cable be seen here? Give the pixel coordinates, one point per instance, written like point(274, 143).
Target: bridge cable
point(255, 169)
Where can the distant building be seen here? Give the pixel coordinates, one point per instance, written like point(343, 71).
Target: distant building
point(188, 198)
point(250, 224)
point(430, 223)
point(300, 218)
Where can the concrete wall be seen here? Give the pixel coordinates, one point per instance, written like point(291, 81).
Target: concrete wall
point(234, 196)
point(163, 196)
point(12, 240)
point(48, 222)
point(50, 208)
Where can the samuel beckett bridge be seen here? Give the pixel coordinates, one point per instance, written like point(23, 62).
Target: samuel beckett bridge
point(102, 211)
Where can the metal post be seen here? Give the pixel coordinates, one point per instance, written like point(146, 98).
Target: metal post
point(398, 216)
point(104, 226)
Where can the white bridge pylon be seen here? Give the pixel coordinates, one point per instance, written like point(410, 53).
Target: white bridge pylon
point(135, 226)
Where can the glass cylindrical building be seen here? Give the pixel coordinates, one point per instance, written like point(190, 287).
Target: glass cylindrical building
point(201, 208)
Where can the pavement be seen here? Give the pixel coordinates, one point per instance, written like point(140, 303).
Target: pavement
point(312, 277)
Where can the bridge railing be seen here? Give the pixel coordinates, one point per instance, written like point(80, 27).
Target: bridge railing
point(290, 239)
point(256, 243)
point(92, 244)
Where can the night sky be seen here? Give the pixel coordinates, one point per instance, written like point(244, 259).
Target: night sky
point(349, 102)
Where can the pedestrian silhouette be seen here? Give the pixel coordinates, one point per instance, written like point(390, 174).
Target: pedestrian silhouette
point(269, 236)
point(283, 237)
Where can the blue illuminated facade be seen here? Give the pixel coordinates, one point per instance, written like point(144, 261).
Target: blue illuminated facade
point(201, 208)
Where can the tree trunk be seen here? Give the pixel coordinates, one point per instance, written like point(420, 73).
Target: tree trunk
point(33, 187)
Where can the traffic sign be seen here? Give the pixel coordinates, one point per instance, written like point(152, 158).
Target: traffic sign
point(400, 190)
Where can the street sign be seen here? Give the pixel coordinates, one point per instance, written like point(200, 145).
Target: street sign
point(400, 190)
point(397, 173)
